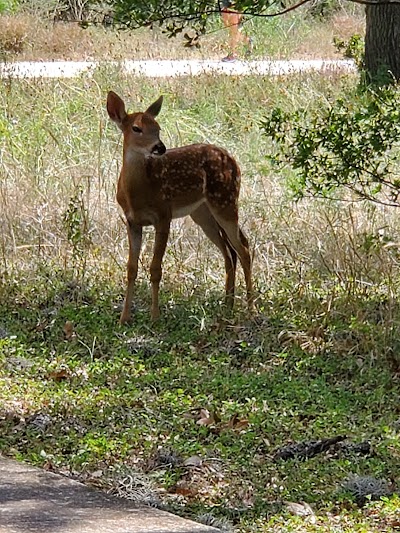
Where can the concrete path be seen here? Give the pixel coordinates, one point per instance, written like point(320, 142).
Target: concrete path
point(172, 68)
point(36, 501)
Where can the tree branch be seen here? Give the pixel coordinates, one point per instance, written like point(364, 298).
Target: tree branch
point(159, 17)
point(192, 15)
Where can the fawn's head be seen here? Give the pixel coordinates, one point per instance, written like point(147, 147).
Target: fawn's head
point(141, 130)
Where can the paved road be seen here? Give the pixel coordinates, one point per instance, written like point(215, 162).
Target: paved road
point(36, 501)
point(172, 68)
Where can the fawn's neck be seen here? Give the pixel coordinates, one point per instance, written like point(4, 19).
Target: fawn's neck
point(134, 165)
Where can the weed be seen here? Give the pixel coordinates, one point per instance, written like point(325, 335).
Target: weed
point(76, 224)
point(14, 33)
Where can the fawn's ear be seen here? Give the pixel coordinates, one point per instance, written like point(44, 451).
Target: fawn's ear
point(155, 107)
point(116, 108)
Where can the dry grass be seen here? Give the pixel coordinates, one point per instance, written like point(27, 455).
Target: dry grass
point(318, 42)
point(68, 145)
point(14, 34)
point(28, 37)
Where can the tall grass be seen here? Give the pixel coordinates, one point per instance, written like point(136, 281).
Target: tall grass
point(29, 35)
point(319, 358)
point(58, 147)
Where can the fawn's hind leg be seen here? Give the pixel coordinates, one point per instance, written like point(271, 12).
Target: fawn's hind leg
point(205, 219)
point(240, 244)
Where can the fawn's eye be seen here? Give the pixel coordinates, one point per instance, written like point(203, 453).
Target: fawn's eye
point(136, 129)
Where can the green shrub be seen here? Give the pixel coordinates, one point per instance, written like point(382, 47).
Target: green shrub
point(351, 143)
point(324, 8)
point(352, 49)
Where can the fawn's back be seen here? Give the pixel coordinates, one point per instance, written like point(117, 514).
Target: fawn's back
point(194, 174)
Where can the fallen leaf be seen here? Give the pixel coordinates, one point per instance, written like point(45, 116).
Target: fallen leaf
point(183, 489)
point(236, 423)
point(48, 465)
point(205, 421)
point(300, 509)
point(59, 375)
point(68, 330)
point(208, 419)
point(195, 461)
point(204, 413)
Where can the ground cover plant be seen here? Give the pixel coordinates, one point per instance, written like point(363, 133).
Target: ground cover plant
point(212, 415)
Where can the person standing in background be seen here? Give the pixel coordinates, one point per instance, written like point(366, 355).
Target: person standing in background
point(232, 20)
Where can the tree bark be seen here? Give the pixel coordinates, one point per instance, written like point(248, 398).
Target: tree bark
point(382, 40)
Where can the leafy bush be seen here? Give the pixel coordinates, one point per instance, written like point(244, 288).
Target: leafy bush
point(352, 49)
point(324, 8)
point(349, 144)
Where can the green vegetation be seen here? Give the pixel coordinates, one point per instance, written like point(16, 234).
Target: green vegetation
point(189, 413)
point(347, 143)
point(195, 406)
point(7, 6)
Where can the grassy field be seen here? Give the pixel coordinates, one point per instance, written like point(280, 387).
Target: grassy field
point(26, 36)
point(194, 413)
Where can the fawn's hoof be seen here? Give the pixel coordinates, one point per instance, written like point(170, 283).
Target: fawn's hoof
point(125, 318)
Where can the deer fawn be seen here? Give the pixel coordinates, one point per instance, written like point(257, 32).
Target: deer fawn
point(157, 185)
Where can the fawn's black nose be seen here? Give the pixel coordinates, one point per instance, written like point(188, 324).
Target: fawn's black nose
point(159, 149)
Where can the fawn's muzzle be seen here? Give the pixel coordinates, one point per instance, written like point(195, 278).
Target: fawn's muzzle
point(159, 149)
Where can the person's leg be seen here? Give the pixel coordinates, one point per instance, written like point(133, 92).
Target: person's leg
point(231, 20)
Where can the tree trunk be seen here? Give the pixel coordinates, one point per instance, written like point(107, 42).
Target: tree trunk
point(382, 41)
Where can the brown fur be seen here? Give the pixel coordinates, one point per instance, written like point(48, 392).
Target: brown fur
point(157, 185)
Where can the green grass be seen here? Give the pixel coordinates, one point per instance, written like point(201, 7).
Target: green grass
point(318, 359)
point(116, 395)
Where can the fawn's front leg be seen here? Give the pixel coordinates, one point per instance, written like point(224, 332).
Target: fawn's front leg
point(135, 244)
point(161, 239)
